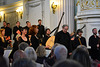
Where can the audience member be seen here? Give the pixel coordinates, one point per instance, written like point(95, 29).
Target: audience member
point(82, 56)
point(67, 63)
point(3, 62)
point(22, 46)
point(23, 62)
point(41, 54)
point(18, 55)
point(31, 54)
point(60, 53)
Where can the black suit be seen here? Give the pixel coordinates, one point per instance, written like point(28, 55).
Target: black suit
point(10, 32)
point(15, 29)
point(95, 53)
point(27, 29)
point(41, 31)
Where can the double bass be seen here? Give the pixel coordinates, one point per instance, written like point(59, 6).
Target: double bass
point(51, 40)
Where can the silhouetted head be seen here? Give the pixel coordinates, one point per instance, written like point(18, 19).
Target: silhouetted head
point(30, 53)
point(24, 62)
point(60, 53)
point(82, 56)
point(67, 63)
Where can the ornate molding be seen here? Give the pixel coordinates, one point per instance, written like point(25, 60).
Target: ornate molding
point(88, 4)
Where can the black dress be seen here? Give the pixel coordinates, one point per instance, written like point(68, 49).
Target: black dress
point(77, 43)
point(95, 52)
point(45, 39)
point(41, 31)
point(15, 29)
point(3, 44)
point(64, 39)
point(15, 46)
point(21, 40)
point(35, 42)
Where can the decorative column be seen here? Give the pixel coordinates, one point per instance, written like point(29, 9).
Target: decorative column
point(89, 14)
point(69, 14)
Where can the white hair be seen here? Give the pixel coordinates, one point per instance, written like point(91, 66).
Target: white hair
point(22, 46)
point(60, 52)
point(30, 53)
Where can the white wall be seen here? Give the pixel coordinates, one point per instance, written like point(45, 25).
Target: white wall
point(66, 6)
point(33, 12)
point(44, 11)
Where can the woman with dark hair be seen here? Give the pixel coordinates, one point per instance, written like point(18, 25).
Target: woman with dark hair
point(82, 56)
point(34, 39)
point(23, 37)
point(46, 37)
point(18, 40)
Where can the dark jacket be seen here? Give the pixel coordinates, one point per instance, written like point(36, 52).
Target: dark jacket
point(40, 59)
point(41, 31)
point(64, 39)
point(95, 52)
point(77, 43)
point(27, 29)
point(93, 42)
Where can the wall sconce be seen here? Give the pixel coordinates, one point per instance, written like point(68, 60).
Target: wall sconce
point(54, 6)
point(1, 15)
point(20, 11)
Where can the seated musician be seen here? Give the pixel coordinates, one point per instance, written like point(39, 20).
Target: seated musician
point(79, 40)
point(46, 37)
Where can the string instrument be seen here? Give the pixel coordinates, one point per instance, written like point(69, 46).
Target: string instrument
point(74, 34)
point(51, 40)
